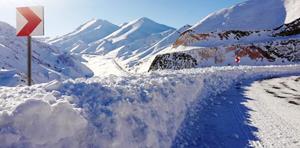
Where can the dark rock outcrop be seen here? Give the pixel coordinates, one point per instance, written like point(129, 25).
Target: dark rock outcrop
point(174, 61)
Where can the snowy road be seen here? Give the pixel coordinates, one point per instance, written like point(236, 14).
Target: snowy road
point(276, 111)
point(103, 66)
point(260, 114)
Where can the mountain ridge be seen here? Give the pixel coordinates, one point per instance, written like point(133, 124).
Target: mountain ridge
point(83, 35)
point(250, 15)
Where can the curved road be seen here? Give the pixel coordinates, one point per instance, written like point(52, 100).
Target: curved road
point(250, 114)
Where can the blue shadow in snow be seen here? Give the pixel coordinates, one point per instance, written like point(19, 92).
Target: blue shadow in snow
point(218, 122)
point(221, 121)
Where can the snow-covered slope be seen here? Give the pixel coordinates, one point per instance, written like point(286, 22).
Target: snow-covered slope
point(235, 40)
point(132, 42)
point(87, 33)
point(251, 22)
point(48, 63)
point(279, 52)
point(142, 61)
point(251, 15)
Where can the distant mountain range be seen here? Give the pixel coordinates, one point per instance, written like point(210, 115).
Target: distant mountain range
point(135, 44)
point(128, 43)
point(85, 34)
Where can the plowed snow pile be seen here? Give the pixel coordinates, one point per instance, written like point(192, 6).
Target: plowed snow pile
point(133, 111)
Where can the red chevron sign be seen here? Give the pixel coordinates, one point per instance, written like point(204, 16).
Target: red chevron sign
point(30, 21)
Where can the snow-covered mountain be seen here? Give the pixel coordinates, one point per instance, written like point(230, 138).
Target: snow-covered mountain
point(85, 34)
point(251, 15)
point(134, 45)
point(143, 62)
point(127, 44)
point(134, 36)
point(48, 63)
point(240, 36)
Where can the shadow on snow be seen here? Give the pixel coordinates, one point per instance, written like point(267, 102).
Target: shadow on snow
point(218, 122)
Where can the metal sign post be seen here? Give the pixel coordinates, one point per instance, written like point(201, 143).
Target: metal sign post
point(29, 53)
point(30, 22)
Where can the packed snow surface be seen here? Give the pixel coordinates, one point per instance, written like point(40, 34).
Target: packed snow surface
point(276, 111)
point(130, 111)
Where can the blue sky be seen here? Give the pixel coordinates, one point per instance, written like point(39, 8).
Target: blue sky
point(63, 16)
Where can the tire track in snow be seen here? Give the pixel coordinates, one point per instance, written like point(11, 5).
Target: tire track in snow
point(275, 130)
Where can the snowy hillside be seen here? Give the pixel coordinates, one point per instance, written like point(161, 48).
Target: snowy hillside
point(143, 60)
point(277, 45)
point(128, 44)
point(251, 15)
point(48, 63)
point(87, 33)
point(269, 53)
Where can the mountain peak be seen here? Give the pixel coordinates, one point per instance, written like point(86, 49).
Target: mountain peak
point(139, 28)
point(143, 20)
point(93, 24)
point(147, 25)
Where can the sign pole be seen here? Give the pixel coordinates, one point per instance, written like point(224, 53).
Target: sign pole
point(30, 22)
point(29, 61)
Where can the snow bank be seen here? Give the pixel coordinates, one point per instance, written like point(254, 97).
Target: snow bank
point(135, 111)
